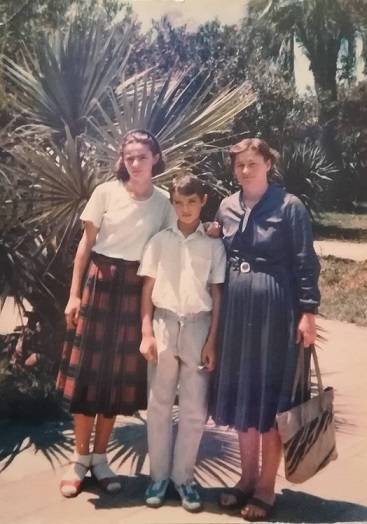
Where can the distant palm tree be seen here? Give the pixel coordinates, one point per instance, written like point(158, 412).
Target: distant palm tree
point(322, 28)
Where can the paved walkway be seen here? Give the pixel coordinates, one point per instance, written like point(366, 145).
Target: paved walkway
point(351, 250)
point(34, 458)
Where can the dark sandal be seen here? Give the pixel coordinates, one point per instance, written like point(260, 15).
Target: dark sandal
point(240, 498)
point(106, 482)
point(260, 504)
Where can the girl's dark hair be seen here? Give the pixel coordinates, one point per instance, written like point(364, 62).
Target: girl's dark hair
point(141, 136)
point(253, 144)
point(187, 184)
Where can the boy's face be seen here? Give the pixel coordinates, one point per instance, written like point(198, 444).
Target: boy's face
point(188, 207)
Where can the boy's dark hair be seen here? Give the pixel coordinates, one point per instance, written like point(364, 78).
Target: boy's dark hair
point(187, 184)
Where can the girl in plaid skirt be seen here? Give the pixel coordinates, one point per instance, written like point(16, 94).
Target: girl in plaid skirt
point(102, 373)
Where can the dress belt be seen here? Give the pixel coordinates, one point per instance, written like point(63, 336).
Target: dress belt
point(241, 264)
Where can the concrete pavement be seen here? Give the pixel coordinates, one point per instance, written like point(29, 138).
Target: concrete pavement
point(350, 250)
point(33, 459)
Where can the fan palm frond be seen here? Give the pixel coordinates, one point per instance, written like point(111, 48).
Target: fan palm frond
point(306, 172)
point(60, 82)
point(55, 185)
point(183, 114)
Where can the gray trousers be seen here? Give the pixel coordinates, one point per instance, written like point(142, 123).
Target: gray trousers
point(179, 341)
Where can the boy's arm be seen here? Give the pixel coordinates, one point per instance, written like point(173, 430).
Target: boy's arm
point(148, 346)
point(208, 351)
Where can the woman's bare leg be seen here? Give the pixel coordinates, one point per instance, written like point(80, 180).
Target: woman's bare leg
point(249, 443)
point(271, 454)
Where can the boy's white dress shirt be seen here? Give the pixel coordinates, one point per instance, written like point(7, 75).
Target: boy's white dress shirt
point(183, 269)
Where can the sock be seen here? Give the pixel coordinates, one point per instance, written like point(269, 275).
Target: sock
point(76, 471)
point(101, 470)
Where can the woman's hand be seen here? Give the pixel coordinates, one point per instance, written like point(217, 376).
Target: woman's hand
point(72, 311)
point(212, 229)
point(148, 348)
point(306, 329)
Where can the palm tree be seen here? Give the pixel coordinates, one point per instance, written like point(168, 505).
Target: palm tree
point(321, 27)
point(74, 112)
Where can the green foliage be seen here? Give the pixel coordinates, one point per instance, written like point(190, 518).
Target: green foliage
point(60, 85)
point(180, 111)
point(279, 114)
point(342, 226)
point(74, 115)
point(303, 169)
point(23, 19)
point(307, 173)
point(352, 134)
point(27, 396)
point(218, 50)
point(321, 27)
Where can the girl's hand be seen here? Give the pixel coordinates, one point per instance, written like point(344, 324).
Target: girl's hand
point(72, 311)
point(148, 348)
point(306, 329)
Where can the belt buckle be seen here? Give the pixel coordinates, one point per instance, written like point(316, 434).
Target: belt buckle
point(245, 267)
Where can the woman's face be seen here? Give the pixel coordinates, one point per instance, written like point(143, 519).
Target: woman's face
point(251, 169)
point(139, 161)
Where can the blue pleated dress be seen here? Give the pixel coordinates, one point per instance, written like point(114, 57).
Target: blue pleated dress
point(271, 279)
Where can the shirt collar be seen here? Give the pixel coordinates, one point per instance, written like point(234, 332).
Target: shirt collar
point(199, 229)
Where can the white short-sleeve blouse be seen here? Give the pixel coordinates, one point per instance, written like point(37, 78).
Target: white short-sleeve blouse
point(125, 224)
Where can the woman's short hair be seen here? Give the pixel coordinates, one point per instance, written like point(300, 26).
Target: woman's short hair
point(253, 144)
point(140, 136)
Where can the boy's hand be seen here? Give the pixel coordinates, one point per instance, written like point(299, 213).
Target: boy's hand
point(212, 229)
point(208, 356)
point(148, 348)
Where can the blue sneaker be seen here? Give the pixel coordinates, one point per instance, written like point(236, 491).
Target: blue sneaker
point(156, 493)
point(190, 498)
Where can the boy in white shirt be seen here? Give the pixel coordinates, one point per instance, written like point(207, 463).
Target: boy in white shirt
point(183, 269)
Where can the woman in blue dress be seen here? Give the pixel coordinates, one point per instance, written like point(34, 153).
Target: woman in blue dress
point(269, 304)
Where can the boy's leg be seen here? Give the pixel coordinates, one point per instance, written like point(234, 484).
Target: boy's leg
point(162, 386)
point(193, 400)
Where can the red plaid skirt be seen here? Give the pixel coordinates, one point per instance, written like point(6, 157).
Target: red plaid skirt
point(102, 371)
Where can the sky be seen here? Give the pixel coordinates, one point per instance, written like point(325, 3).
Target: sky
point(190, 12)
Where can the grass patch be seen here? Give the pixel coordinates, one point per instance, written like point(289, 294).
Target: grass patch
point(341, 226)
point(343, 286)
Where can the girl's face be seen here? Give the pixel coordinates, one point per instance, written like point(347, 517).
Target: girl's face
point(139, 161)
point(251, 169)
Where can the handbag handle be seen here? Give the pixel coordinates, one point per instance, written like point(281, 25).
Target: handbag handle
point(317, 368)
point(300, 369)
